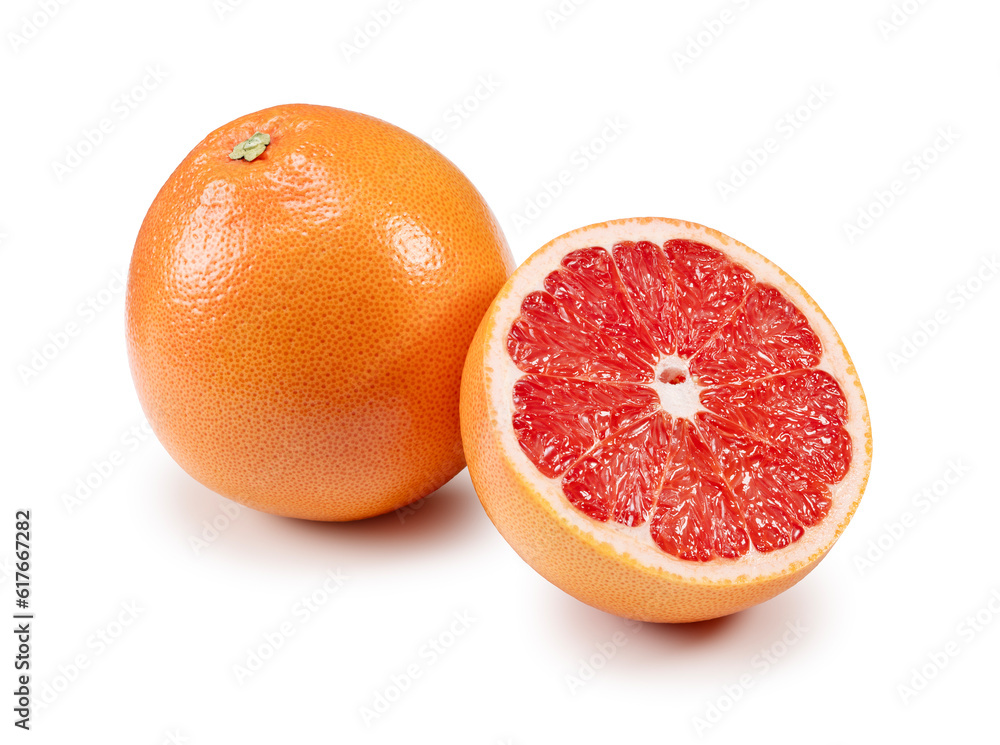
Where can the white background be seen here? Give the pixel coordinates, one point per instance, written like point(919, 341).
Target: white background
point(862, 629)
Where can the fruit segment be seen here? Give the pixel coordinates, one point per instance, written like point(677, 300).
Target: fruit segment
point(620, 478)
point(697, 517)
point(778, 497)
point(553, 337)
point(767, 336)
point(649, 283)
point(750, 469)
point(588, 286)
point(709, 288)
point(560, 419)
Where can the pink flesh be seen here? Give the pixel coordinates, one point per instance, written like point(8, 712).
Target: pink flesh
point(754, 469)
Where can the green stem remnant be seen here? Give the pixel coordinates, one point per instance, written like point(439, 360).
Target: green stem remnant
point(252, 147)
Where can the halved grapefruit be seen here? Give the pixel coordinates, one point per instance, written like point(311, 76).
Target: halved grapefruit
point(662, 422)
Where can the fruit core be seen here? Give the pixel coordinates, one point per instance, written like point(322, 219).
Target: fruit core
point(666, 389)
point(672, 374)
point(679, 393)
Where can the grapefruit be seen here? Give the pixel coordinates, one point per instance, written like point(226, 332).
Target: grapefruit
point(300, 300)
point(662, 422)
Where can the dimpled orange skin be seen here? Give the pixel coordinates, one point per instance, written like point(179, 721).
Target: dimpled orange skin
point(297, 324)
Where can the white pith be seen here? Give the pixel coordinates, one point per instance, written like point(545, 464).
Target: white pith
point(677, 400)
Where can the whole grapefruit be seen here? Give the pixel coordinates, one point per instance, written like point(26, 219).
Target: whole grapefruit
point(301, 297)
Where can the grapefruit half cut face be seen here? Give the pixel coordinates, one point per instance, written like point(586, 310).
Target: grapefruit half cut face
point(662, 422)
